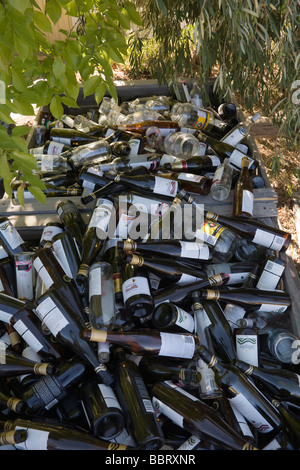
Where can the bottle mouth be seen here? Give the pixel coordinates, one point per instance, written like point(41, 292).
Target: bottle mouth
point(110, 426)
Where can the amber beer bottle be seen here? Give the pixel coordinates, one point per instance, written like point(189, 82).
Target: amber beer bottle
point(243, 193)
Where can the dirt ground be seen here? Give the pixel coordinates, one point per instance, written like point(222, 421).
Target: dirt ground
point(286, 185)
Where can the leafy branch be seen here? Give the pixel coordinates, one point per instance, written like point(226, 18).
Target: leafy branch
point(96, 40)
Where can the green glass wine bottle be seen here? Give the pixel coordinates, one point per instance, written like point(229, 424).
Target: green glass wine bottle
point(247, 398)
point(194, 415)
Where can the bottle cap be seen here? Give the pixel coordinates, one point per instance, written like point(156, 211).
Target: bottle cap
point(255, 117)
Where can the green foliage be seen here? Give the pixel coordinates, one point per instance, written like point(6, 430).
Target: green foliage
point(251, 46)
point(27, 56)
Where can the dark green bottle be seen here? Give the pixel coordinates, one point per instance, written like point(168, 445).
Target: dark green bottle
point(136, 402)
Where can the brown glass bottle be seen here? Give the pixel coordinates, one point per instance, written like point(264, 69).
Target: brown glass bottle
point(147, 341)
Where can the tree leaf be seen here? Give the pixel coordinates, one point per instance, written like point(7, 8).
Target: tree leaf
point(58, 68)
point(162, 7)
point(38, 194)
point(56, 107)
point(91, 84)
point(134, 15)
point(5, 172)
point(20, 130)
point(20, 5)
point(21, 47)
point(23, 106)
point(53, 9)
point(5, 114)
point(68, 101)
point(18, 80)
point(42, 22)
point(100, 92)
point(20, 194)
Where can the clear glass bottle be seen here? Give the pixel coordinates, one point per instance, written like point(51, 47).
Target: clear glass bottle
point(222, 180)
point(195, 95)
point(25, 275)
point(283, 345)
point(182, 144)
point(101, 301)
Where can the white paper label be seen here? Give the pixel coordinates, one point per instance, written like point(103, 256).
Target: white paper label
point(134, 146)
point(275, 242)
point(233, 313)
point(177, 345)
point(166, 158)
point(190, 443)
point(194, 250)
point(237, 278)
point(247, 349)
point(247, 202)
point(24, 278)
point(95, 282)
point(43, 273)
point(184, 320)
point(11, 235)
point(51, 316)
point(218, 175)
point(123, 228)
point(37, 439)
point(242, 421)
point(270, 276)
point(101, 216)
point(167, 411)
point(135, 286)
point(109, 396)
point(62, 257)
point(47, 163)
point(165, 186)
point(55, 148)
point(62, 140)
point(49, 232)
point(190, 177)
point(236, 157)
point(187, 278)
point(27, 335)
point(234, 137)
point(276, 308)
point(250, 413)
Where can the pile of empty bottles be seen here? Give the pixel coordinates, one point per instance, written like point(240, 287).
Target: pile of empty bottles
point(158, 323)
